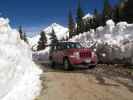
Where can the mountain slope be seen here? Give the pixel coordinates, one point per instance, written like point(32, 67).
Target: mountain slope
point(33, 40)
point(60, 31)
point(88, 16)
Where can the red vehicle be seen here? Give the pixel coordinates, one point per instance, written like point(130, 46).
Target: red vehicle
point(71, 53)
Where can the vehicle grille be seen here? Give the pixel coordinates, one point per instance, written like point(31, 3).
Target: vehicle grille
point(85, 54)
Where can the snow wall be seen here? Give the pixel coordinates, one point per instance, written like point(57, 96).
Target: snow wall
point(19, 76)
point(112, 43)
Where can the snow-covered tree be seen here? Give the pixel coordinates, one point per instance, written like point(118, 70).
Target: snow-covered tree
point(42, 42)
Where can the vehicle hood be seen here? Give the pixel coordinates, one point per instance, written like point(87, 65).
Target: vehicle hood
point(79, 50)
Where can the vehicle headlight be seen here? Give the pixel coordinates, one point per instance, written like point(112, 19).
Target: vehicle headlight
point(93, 55)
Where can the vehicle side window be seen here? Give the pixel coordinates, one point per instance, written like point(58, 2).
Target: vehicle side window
point(59, 47)
point(52, 49)
point(62, 47)
point(55, 48)
point(67, 46)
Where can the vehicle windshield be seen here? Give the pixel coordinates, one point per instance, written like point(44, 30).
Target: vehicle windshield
point(73, 45)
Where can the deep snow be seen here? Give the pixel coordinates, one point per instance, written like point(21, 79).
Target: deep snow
point(19, 76)
point(112, 43)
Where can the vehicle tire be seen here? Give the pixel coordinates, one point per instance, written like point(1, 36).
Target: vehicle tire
point(92, 66)
point(67, 65)
point(52, 63)
point(131, 63)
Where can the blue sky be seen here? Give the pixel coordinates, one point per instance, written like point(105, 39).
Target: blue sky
point(36, 14)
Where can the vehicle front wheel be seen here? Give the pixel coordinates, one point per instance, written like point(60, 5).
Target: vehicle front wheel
point(67, 65)
point(52, 63)
point(91, 66)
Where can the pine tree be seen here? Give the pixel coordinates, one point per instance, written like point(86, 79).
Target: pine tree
point(107, 11)
point(87, 25)
point(42, 41)
point(92, 23)
point(21, 33)
point(25, 38)
point(95, 12)
point(53, 37)
point(71, 25)
point(118, 14)
point(127, 11)
point(79, 19)
point(96, 18)
point(121, 9)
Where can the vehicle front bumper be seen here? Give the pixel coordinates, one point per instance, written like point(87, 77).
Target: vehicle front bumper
point(83, 61)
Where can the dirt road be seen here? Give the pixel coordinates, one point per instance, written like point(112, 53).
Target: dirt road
point(102, 83)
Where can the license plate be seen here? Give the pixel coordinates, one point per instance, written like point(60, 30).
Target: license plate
point(87, 60)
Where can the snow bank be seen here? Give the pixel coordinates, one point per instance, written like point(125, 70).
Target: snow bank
point(112, 43)
point(19, 76)
point(41, 56)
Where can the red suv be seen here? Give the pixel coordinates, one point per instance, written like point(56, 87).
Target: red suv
point(71, 53)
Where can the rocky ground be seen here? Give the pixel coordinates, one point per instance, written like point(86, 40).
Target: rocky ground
point(105, 82)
